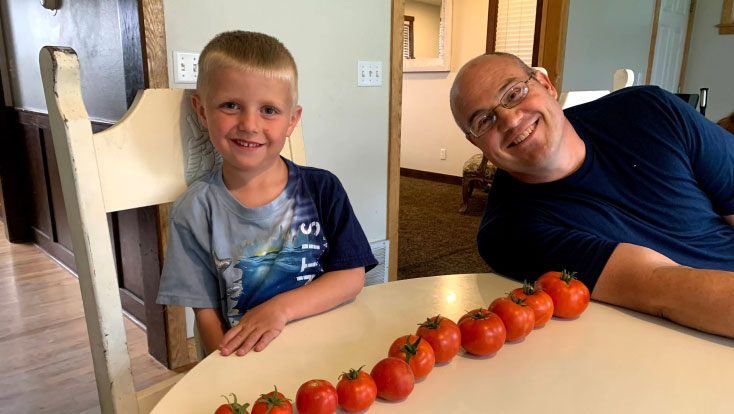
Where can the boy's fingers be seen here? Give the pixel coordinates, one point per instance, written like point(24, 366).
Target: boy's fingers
point(265, 340)
point(248, 343)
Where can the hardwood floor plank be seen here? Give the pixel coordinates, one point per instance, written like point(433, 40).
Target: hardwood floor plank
point(45, 358)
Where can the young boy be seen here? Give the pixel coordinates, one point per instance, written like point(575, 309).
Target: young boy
point(261, 241)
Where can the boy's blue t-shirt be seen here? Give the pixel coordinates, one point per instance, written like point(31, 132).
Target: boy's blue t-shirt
point(222, 254)
point(656, 174)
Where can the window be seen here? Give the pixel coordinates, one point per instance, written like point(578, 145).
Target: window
point(408, 37)
point(516, 28)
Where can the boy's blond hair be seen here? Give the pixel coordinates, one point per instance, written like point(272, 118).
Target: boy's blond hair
point(250, 52)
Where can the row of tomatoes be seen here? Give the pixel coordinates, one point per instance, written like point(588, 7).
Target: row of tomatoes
point(412, 357)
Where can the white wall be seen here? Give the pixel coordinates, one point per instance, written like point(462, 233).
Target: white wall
point(711, 60)
point(28, 27)
point(427, 124)
point(345, 127)
point(604, 36)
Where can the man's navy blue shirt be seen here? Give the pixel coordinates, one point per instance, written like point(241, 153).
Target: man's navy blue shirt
point(656, 174)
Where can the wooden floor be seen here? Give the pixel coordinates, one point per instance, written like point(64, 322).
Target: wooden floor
point(45, 361)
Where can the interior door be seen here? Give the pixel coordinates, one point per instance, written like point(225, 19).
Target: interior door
point(670, 44)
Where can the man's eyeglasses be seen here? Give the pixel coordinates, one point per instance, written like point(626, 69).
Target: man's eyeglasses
point(485, 120)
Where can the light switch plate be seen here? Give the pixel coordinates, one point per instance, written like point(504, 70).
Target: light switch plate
point(186, 67)
point(369, 73)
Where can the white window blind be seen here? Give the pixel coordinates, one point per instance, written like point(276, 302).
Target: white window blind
point(516, 28)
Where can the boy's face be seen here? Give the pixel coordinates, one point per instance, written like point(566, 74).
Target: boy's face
point(248, 116)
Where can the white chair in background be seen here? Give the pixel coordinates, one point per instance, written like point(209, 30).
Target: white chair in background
point(147, 158)
point(622, 79)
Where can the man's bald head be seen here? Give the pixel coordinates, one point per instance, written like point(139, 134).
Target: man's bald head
point(463, 81)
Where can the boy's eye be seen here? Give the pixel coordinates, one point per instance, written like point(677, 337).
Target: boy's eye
point(230, 105)
point(268, 110)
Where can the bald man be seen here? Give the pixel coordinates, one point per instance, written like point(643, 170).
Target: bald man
point(634, 191)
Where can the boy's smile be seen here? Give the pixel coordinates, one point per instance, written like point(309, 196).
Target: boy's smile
point(249, 117)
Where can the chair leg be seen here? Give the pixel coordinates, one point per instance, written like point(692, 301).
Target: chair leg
point(466, 190)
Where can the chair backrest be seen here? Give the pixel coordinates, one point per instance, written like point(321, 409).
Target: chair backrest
point(622, 79)
point(147, 158)
point(573, 98)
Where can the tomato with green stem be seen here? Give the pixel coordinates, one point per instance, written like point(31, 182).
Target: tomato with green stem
point(443, 335)
point(273, 402)
point(356, 390)
point(570, 295)
point(519, 319)
point(539, 301)
point(482, 332)
point(232, 407)
point(416, 352)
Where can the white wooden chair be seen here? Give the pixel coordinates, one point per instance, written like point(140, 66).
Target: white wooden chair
point(145, 159)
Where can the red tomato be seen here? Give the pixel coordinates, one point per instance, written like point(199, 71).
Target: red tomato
point(518, 318)
point(272, 403)
point(356, 390)
point(394, 379)
point(570, 296)
point(232, 407)
point(316, 397)
point(416, 352)
point(443, 335)
point(482, 332)
point(540, 302)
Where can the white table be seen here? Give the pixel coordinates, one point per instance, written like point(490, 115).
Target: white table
point(609, 360)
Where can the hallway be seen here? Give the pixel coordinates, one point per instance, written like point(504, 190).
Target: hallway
point(44, 350)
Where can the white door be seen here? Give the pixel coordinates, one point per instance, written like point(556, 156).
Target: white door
point(669, 44)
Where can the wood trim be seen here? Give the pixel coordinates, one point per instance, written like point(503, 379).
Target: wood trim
point(430, 176)
point(726, 28)
point(153, 42)
point(538, 31)
point(491, 25)
point(653, 39)
point(552, 46)
point(686, 48)
point(727, 18)
point(155, 67)
point(393, 151)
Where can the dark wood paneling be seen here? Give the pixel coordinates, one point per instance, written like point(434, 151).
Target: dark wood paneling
point(60, 222)
point(40, 214)
point(14, 180)
point(132, 56)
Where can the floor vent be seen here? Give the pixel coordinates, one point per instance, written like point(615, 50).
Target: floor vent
point(378, 274)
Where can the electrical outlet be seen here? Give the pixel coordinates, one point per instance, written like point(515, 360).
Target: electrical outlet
point(443, 153)
point(369, 73)
point(186, 67)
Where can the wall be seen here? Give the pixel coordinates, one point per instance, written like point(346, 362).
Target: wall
point(710, 60)
point(604, 36)
point(345, 127)
point(427, 124)
point(28, 27)
point(425, 28)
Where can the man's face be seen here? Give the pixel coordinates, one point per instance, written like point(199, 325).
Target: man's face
point(526, 139)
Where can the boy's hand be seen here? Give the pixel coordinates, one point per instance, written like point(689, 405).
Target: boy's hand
point(256, 329)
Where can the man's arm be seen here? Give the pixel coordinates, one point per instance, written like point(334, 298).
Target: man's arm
point(730, 220)
point(260, 325)
point(642, 279)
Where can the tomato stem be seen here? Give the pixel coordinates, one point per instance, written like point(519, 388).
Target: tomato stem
point(236, 408)
point(567, 276)
point(272, 400)
point(353, 374)
point(410, 349)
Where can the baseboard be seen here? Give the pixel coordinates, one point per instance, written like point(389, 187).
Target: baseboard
point(431, 176)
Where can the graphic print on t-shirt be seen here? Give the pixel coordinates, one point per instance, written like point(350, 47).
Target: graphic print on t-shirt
point(280, 260)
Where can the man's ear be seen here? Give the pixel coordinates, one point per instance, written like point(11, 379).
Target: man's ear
point(295, 117)
point(544, 80)
point(198, 103)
